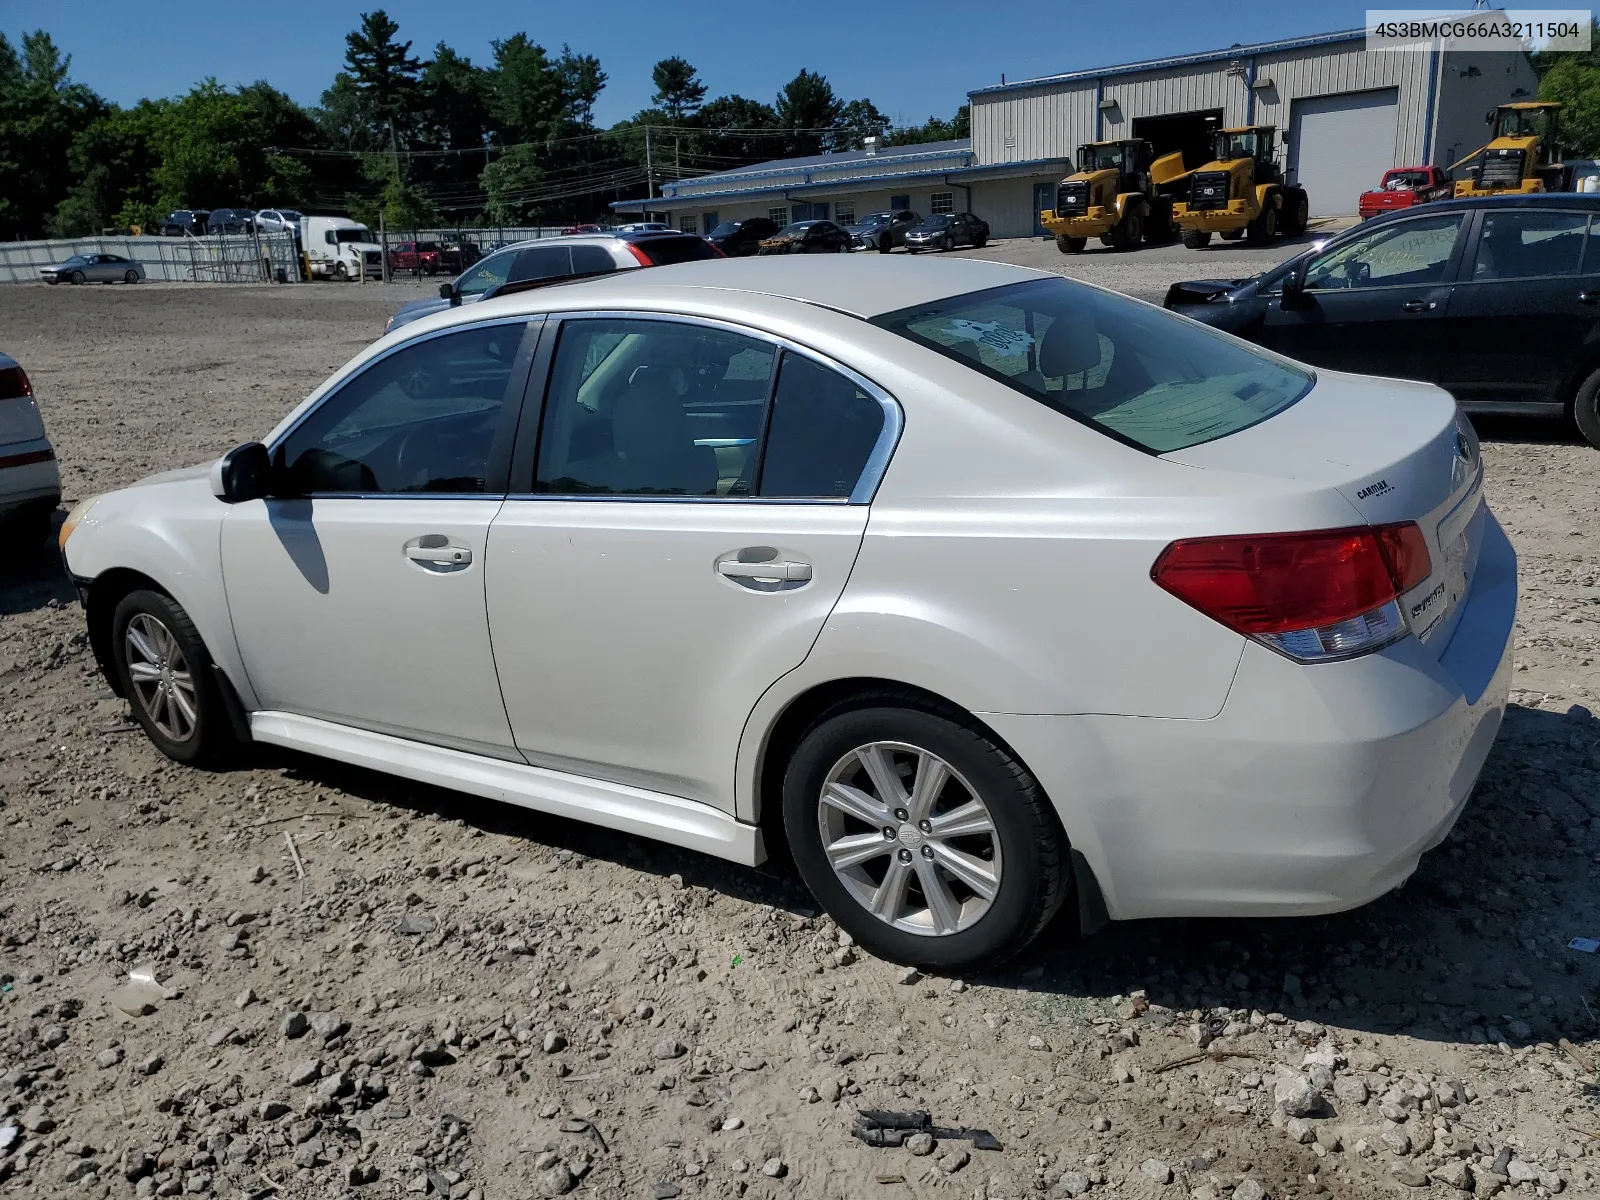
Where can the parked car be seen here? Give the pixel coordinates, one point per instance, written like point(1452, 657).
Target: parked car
point(1496, 299)
point(278, 220)
point(740, 239)
point(883, 231)
point(231, 220)
point(807, 237)
point(185, 221)
point(1219, 671)
point(420, 258)
point(1405, 187)
point(576, 229)
point(30, 480)
point(556, 260)
point(93, 268)
point(946, 231)
point(456, 256)
point(646, 227)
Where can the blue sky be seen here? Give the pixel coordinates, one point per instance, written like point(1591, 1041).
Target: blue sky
point(911, 60)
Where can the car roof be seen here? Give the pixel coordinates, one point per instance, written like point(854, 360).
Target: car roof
point(7, 362)
point(858, 285)
point(1520, 200)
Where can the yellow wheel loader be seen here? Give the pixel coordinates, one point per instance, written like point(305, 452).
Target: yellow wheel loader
point(1241, 192)
point(1522, 156)
point(1121, 193)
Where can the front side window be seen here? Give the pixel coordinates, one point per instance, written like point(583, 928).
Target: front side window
point(489, 273)
point(653, 408)
point(823, 429)
point(942, 202)
point(362, 234)
point(422, 419)
point(1529, 244)
point(1408, 253)
point(1142, 375)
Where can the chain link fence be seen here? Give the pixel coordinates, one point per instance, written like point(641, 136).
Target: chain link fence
point(236, 258)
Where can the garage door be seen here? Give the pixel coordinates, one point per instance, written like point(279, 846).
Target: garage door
point(1340, 146)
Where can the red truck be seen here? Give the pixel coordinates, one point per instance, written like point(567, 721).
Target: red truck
point(1403, 187)
point(420, 258)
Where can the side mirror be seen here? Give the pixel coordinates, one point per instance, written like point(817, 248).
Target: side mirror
point(1294, 286)
point(241, 474)
point(1488, 117)
point(447, 291)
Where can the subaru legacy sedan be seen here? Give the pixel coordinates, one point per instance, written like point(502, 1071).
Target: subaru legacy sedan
point(983, 591)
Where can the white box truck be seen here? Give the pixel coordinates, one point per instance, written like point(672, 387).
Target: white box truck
point(338, 248)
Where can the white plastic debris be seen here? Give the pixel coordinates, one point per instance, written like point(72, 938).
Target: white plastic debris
point(142, 994)
point(1587, 945)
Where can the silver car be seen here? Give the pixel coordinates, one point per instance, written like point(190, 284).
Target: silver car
point(30, 482)
point(94, 268)
point(278, 220)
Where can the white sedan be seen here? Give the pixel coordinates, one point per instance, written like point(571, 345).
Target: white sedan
point(982, 591)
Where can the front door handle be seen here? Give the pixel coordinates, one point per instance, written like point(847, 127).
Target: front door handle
point(436, 550)
point(782, 572)
point(1416, 306)
point(1589, 297)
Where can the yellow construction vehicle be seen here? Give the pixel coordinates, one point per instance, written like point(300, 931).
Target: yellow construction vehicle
point(1241, 192)
point(1523, 155)
point(1121, 193)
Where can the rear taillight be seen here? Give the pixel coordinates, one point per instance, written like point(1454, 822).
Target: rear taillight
point(1314, 596)
point(716, 250)
point(640, 255)
point(14, 383)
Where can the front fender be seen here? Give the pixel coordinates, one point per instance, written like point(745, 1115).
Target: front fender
point(170, 531)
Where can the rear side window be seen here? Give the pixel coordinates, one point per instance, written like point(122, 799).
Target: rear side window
point(663, 252)
point(542, 262)
point(1529, 244)
point(1144, 376)
point(592, 260)
point(822, 432)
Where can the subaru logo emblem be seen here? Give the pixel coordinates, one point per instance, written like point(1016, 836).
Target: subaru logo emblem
point(1463, 447)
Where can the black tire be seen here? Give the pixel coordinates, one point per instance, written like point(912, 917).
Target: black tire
point(978, 243)
point(1231, 235)
point(1296, 214)
point(1071, 245)
point(208, 739)
point(1033, 878)
point(1586, 408)
point(1196, 239)
point(885, 245)
point(130, 277)
point(33, 528)
point(1264, 228)
point(76, 277)
point(911, 249)
point(1128, 233)
point(948, 244)
point(340, 273)
point(1158, 224)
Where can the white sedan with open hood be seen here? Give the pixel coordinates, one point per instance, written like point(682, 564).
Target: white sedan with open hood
point(980, 590)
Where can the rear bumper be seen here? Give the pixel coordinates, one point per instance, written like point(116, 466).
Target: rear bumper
point(26, 479)
point(1212, 220)
point(1316, 789)
point(1096, 222)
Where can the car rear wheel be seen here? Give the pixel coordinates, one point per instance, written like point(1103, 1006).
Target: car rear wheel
point(1196, 239)
point(1586, 408)
point(885, 245)
point(76, 277)
point(1071, 245)
point(130, 277)
point(1128, 233)
point(923, 838)
point(167, 679)
point(1296, 214)
point(978, 243)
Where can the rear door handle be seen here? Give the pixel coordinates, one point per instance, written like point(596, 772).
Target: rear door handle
point(1589, 297)
point(1416, 306)
point(786, 572)
point(435, 550)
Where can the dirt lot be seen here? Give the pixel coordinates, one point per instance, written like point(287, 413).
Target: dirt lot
point(469, 999)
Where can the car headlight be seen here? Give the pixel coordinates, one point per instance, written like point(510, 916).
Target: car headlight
point(80, 510)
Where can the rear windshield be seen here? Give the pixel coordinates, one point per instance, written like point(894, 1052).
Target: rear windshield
point(1144, 376)
point(663, 252)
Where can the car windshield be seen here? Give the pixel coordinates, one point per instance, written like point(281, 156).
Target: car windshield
point(938, 222)
point(77, 258)
point(1141, 375)
point(798, 228)
point(288, 214)
point(877, 219)
point(359, 234)
point(1525, 122)
point(1241, 145)
point(1399, 181)
point(726, 229)
point(1100, 158)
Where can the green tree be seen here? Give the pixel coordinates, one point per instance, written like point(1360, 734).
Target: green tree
point(582, 81)
point(858, 120)
point(679, 91)
point(1573, 79)
point(382, 70)
point(936, 129)
point(738, 131)
point(114, 161)
point(808, 110)
point(513, 183)
point(42, 112)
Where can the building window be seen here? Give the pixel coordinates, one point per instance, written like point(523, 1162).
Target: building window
point(778, 216)
point(844, 212)
point(942, 202)
point(899, 203)
point(688, 224)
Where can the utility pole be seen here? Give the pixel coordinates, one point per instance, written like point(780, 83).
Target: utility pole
point(649, 169)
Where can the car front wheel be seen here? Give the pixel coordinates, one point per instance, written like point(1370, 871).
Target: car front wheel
point(166, 677)
point(1586, 408)
point(924, 839)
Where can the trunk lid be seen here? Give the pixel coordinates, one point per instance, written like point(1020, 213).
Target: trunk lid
point(19, 412)
point(1396, 451)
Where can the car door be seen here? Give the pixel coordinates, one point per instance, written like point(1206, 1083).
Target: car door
point(357, 588)
point(1375, 302)
point(696, 504)
point(1520, 313)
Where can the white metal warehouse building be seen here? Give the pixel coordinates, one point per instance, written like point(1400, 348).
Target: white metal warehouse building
point(1344, 115)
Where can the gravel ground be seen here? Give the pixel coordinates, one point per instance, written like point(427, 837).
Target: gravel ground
point(467, 999)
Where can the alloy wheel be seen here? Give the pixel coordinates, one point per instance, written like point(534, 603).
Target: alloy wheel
point(910, 839)
point(159, 672)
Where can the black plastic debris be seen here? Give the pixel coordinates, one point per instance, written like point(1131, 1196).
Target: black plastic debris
point(884, 1128)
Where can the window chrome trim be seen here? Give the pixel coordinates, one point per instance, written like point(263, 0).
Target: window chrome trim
point(872, 472)
point(523, 319)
